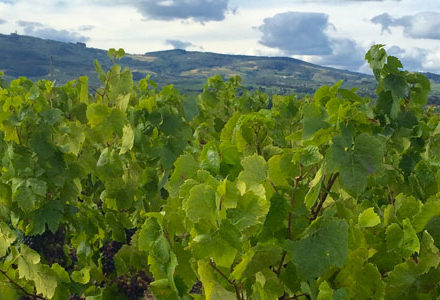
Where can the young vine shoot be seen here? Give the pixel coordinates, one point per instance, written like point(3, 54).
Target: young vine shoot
point(116, 193)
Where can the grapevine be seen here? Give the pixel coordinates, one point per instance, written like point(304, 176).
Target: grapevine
point(118, 194)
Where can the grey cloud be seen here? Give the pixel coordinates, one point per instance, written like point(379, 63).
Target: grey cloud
point(2, 21)
point(29, 24)
point(424, 25)
point(86, 27)
point(297, 33)
point(385, 20)
point(346, 54)
point(39, 30)
point(410, 61)
point(395, 51)
point(176, 44)
point(198, 10)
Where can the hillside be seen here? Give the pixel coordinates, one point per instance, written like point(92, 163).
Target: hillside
point(38, 58)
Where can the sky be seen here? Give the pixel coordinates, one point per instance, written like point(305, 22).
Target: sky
point(335, 33)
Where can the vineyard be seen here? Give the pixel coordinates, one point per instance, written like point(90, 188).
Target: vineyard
point(118, 194)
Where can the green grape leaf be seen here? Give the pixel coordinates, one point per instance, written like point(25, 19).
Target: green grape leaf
point(429, 254)
point(355, 165)
point(97, 113)
point(400, 282)
point(428, 211)
point(162, 290)
point(397, 85)
point(276, 217)
point(289, 277)
point(325, 246)
point(25, 199)
point(210, 158)
point(354, 276)
point(214, 247)
point(423, 180)
point(8, 292)
point(61, 273)
point(368, 218)
point(30, 268)
point(281, 169)
point(26, 263)
point(150, 232)
point(255, 260)
point(71, 139)
point(433, 149)
point(99, 71)
point(394, 237)
point(52, 116)
point(185, 167)
point(84, 89)
point(376, 57)
point(82, 276)
point(393, 64)
point(228, 194)
point(314, 119)
point(310, 156)
point(127, 139)
point(7, 237)
point(251, 210)
point(45, 281)
point(267, 286)
point(325, 291)
point(407, 206)
point(254, 170)
point(420, 88)
point(410, 240)
point(315, 188)
point(201, 204)
point(213, 290)
point(50, 214)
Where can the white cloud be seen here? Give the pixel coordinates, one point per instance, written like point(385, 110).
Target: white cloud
point(424, 25)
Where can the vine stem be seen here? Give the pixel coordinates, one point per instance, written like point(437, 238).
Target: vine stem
point(408, 99)
point(390, 194)
point(34, 296)
point(289, 220)
point(323, 196)
point(231, 282)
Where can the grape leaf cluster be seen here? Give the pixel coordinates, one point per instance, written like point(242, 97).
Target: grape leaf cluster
point(127, 191)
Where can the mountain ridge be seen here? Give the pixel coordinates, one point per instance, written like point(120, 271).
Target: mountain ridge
point(38, 58)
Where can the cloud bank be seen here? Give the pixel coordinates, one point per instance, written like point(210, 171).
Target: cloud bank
point(198, 10)
point(40, 30)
